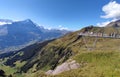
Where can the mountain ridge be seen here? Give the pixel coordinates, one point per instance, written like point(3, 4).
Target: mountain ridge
point(20, 33)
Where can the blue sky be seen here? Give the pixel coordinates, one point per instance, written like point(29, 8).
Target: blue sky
point(71, 14)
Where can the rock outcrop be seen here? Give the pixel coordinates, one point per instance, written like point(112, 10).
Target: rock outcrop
point(64, 67)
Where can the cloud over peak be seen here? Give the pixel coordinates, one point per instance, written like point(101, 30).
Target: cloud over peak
point(3, 23)
point(62, 28)
point(103, 24)
point(111, 10)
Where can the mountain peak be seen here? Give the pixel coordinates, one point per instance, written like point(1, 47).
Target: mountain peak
point(28, 20)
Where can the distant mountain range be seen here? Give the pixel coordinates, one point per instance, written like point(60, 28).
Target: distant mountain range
point(15, 35)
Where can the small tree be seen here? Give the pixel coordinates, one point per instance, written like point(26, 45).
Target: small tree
point(2, 73)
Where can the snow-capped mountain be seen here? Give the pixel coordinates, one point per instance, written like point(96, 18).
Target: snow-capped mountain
point(18, 34)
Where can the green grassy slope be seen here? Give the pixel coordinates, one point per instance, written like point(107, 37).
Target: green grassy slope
point(102, 61)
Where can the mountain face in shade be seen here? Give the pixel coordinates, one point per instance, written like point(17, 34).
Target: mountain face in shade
point(114, 24)
point(16, 35)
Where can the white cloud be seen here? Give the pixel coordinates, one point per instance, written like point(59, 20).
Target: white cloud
point(111, 10)
point(49, 28)
point(103, 24)
point(60, 27)
point(3, 23)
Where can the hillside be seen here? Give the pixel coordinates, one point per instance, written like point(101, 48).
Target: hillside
point(101, 61)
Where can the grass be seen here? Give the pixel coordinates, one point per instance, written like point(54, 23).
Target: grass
point(103, 61)
point(12, 70)
point(97, 64)
point(7, 69)
point(19, 64)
